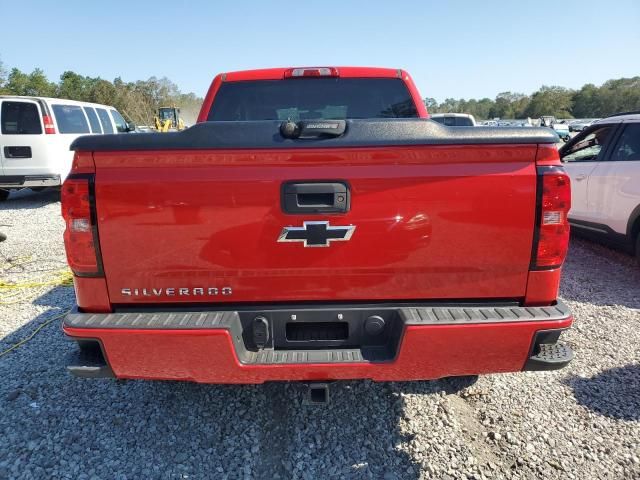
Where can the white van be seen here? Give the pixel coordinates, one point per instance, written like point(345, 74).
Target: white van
point(35, 135)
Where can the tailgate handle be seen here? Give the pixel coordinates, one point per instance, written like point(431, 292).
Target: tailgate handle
point(315, 197)
point(17, 152)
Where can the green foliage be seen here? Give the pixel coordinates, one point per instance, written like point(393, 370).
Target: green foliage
point(556, 101)
point(589, 102)
point(137, 101)
point(35, 83)
point(3, 76)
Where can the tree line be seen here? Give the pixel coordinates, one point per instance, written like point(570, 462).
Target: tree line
point(590, 101)
point(137, 101)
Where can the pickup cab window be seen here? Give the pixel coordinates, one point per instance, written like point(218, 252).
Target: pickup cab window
point(590, 147)
point(318, 98)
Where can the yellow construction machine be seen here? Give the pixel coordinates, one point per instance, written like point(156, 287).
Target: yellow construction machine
point(168, 119)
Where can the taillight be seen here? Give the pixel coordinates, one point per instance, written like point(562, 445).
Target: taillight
point(49, 127)
point(311, 72)
point(553, 204)
point(80, 235)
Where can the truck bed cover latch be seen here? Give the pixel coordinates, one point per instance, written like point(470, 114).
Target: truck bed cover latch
point(313, 129)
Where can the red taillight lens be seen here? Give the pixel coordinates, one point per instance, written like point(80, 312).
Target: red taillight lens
point(553, 228)
point(49, 127)
point(80, 235)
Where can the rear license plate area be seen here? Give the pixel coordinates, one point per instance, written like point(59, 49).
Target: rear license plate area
point(375, 332)
point(316, 331)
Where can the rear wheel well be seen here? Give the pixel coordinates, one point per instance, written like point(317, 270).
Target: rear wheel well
point(633, 225)
point(635, 235)
point(635, 228)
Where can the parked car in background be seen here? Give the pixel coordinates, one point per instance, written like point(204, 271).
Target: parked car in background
point(579, 125)
point(454, 119)
point(603, 162)
point(562, 129)
point(547, 120)
point(35, 135)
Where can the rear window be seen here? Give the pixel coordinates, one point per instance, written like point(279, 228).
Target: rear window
point(317, 98)
point(105, 120)
point(20, 118)
point(93, 120)
point(70, 119)
point(121, 124)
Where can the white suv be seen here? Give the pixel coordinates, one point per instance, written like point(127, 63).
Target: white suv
point(35, 135)
point(603, 162)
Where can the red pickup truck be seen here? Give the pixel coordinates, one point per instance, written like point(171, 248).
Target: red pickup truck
point(315, 225)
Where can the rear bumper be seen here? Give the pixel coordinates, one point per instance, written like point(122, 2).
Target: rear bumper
point(28, 181)
point(423, 342)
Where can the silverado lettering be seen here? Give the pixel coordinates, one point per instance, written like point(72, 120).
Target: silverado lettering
point(158, 292)
point(446, 244)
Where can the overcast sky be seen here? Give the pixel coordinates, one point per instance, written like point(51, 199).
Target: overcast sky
point(468, 49)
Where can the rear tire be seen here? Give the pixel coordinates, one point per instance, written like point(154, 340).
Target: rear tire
point(4, 194)
point(638, 248)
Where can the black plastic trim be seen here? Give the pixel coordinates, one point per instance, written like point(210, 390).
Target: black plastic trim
point(633, 218)
point(290, 191)
point(25, 181)
point(359, 133)
point(183, 307)
point(603, 234)
point(546, 353)
point(89, 360)
point(17, 152)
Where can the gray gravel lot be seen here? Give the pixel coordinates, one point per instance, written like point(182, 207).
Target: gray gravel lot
point(580, 422)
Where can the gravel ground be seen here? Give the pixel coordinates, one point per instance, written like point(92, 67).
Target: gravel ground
point(580, 422)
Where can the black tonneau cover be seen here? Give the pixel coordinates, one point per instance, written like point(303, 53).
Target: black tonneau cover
point(359, 133)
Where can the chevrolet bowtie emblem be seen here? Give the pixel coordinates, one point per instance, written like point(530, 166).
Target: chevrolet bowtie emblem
point(316, 234)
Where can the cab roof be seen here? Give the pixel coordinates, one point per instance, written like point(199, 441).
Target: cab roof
point(53, 100)
point(343, 72)
point(620, 117)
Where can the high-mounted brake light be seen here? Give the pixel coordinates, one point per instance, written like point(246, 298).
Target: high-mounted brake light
point(311, 72)
point(554, 202)
point(80, 235)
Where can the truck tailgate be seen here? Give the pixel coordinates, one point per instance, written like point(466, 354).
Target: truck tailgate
point(431, 222)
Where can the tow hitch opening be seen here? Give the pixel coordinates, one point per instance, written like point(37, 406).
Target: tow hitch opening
point(317, 394)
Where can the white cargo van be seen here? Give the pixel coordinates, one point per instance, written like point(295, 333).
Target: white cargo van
point(35, 135)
